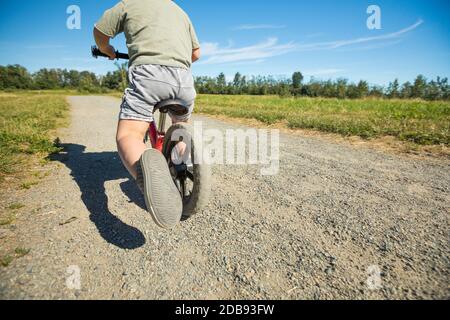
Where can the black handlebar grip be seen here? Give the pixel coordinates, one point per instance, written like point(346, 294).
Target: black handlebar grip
point(97, 53)
point(123, 56)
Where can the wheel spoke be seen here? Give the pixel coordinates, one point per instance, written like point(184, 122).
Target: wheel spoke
point(183, 187)
point(190, 175)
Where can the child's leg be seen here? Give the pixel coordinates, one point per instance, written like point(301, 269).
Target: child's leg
point(130, 143)
point(179, 151)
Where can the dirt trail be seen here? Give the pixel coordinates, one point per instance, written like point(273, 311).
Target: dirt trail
point(310, 232)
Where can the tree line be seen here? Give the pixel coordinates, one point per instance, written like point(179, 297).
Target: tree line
point(17, 77)
point(438, 89)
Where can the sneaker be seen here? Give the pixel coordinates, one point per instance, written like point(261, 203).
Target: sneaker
point(161, 195)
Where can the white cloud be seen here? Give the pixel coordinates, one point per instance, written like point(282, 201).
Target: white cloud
point(263, 50)
point(344, 43)
point(270, 48)
point(259, 27)
point(209, 48)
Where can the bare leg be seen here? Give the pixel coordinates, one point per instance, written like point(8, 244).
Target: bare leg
point(130, 143)
point(180, 149)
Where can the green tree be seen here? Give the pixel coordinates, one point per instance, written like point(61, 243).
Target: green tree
point(376, 91)
point(237, 84)
point(15, 77)
point(432, 91)
point(237, 80)
point(444, 88)
point(221, 83)
point(112, 80)
point(341, 88)
point(393, 90)
point(89, 82)
point(419, 87)
point(406, 91)
point(297, 79)
point(48, 79)
point(72, 78)
point(353, 92)
point(363, 89)
point(122, 69)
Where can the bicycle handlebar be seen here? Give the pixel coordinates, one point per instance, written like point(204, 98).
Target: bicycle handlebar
point(97, 53)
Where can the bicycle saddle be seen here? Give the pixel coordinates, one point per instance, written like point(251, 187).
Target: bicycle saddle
point(175, 106)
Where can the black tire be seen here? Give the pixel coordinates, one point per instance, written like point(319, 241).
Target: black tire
point(201, 189)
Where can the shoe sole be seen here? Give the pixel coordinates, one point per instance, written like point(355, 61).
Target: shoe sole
point(162, 197)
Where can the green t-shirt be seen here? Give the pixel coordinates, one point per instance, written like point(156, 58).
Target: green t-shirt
point(157, 32)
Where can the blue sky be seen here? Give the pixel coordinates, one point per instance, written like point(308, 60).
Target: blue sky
point(322, 38)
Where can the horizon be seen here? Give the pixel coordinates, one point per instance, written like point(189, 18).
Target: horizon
point(324, 40)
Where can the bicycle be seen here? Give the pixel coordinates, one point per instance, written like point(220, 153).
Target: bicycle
point(191, 176)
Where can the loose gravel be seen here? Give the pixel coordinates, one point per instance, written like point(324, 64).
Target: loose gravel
point(321, 229)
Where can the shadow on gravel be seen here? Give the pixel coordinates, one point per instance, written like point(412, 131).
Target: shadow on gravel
point(91, 171)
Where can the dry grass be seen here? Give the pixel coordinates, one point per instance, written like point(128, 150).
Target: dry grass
point(418, 122)
point(26, 122)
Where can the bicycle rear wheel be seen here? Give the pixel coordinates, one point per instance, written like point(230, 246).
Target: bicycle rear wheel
point(192, 176)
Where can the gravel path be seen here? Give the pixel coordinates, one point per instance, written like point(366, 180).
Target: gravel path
point(318, 230)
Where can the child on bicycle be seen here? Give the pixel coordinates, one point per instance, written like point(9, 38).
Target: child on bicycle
point(162, 45)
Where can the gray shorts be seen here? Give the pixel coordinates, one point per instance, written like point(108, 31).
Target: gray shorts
point(151, 84)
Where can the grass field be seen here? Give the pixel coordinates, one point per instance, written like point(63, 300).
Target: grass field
point(420, 122)
point(26, 120)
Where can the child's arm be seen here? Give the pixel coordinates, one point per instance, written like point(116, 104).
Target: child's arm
point(103, 45)
point(195, 55)
point(110, 25)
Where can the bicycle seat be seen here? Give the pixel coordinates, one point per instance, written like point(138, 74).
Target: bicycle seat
point(175, 106)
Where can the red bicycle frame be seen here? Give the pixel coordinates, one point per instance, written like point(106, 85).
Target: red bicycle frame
point(157, 134)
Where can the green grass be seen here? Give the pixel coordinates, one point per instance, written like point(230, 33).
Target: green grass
point(420, 122)
point(16, 206)
point(21, 252)
point(6, 260)
point(26, 121)
point(7, 219)
point(27, 185)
